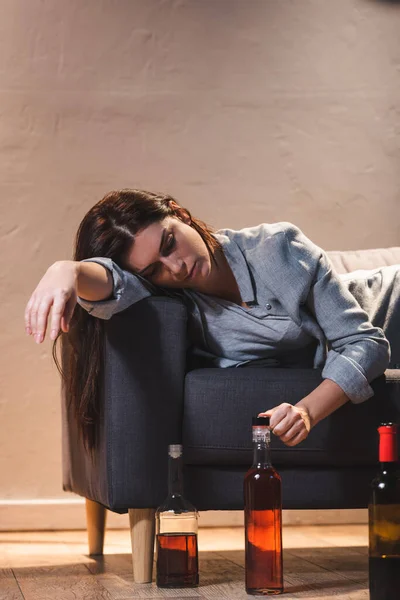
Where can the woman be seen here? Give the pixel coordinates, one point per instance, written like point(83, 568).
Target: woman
point(264, 295)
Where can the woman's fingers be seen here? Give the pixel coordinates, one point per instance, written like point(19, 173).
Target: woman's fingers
point(279, 417)
point(297, 438)
point(28, 327)
point(33, 316)
point(42, 318)
point(294, 430)
point(57, 292)
point(68, 312)
point(283, 424)
point(64, 324)
point(291, 424)
point(37, 316)
point(57, 314)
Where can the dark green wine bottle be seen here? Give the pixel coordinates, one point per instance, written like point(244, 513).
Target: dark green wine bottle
point(384, 520)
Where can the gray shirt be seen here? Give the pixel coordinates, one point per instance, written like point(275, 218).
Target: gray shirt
point(229, 335)
point(296, 302)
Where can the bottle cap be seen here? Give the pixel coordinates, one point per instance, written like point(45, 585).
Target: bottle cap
point(388, 451)
point(175, 450)
point(387, 428)
point(260, 421)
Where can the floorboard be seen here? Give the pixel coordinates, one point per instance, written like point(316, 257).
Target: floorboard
point(319, 562)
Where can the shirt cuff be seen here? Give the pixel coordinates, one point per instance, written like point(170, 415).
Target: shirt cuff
point(348, 375)
point(120, 300)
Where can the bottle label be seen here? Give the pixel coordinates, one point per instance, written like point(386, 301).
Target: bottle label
point(169, 522)
point(261, 434)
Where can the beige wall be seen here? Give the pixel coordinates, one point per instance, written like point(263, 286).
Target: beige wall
point(246, 111)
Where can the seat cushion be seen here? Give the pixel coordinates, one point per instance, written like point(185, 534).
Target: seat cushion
point(219, 405)
point(221, 488)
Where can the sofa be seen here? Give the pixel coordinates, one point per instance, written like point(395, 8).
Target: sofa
point(154, 396)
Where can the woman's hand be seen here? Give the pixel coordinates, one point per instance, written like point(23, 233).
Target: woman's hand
point(57, 290)
point(290, 423)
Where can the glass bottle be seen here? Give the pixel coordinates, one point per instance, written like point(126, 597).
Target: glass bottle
point(176, 531)
point(263, 517)
point(384, 519)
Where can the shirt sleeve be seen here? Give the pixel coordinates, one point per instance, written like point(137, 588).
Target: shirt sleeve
point(358, 352)
point(127, 290)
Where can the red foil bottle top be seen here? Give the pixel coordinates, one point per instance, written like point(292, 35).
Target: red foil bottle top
point(388, 442)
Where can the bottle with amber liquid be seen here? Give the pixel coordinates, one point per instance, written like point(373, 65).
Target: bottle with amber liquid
point(384, 519)
point(176, 531)
point(263, 517)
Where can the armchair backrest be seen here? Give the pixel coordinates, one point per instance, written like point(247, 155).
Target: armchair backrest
point(345, 261)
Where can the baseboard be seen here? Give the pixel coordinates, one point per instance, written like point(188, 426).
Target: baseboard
point(53, 514)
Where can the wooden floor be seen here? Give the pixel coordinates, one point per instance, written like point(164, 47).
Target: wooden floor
point(319, 562)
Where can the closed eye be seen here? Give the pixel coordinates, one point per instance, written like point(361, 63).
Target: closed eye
point(167, 250)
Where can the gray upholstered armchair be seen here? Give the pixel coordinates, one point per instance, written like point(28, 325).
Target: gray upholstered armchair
point(151, 398)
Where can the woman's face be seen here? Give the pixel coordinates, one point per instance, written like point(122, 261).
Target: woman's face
point(170, 253)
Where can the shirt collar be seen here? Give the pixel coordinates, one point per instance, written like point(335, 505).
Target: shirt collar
point(239, 266)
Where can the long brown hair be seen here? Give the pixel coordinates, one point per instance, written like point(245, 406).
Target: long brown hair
point(107, 230)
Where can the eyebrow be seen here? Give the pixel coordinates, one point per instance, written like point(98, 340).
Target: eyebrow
point(160, 250)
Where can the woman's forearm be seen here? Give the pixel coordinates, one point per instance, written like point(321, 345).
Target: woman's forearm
point(94, 282)
point(323, 401)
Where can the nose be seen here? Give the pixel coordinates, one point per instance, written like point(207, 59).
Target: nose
point(175, 266)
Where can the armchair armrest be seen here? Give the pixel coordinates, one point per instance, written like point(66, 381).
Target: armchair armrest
point(142, 409)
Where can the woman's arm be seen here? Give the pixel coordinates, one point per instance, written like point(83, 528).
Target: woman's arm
point(358, 352)
point(94, 282)
point(126, 289)
point(292, 424)
point(323, 401)
point(58, 290)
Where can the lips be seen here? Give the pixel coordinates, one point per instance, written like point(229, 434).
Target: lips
point(192, 271)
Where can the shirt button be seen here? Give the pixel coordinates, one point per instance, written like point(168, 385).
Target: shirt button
point(268, 306)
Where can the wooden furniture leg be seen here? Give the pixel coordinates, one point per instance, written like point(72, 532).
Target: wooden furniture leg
point(142, 526)
point(96, 523)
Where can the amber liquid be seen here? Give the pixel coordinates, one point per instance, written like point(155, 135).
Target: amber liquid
point(177, 560)
point(263, 532)
point(384, 541)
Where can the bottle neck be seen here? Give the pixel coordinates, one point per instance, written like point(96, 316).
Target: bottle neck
point(389, 467)
point(175, 476)
point(261, 450)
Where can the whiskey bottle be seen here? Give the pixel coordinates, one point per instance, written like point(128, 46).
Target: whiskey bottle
point(384, 520)
point(176, 531)
point(263, 517)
